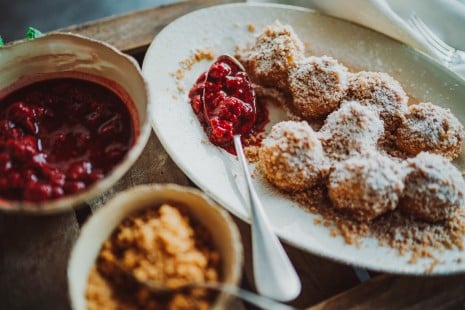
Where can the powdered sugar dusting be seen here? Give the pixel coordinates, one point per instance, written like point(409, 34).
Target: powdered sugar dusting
point(269, 56)
point(431, 128)
point(350, 130)
point(366, 186)
point(380, 92)
point(317, 85)
point(434, 188)
point(292, 157)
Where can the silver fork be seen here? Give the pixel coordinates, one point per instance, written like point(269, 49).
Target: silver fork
point(448, 55)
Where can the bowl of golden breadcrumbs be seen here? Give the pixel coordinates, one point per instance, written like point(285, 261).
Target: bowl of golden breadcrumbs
point(166, 234)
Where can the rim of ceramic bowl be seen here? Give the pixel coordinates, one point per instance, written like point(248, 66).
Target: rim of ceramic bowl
point(72, 201)
point(126, 203)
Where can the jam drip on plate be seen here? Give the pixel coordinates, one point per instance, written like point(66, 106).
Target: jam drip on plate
point(58, 137)
point(224, 101)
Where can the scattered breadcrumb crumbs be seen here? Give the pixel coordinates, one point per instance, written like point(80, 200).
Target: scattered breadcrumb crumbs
point(251, 27)
point(401, 232)
point(186, 65)
point(251, 152)
point(199, 55)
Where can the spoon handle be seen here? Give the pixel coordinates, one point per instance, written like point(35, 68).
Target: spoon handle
point(274, 274)
point(251, 298)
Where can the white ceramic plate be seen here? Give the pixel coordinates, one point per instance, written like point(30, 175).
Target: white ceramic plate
point(216, 172)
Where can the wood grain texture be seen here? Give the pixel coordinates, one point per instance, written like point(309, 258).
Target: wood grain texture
point(399, 292)
point(34, 253)
point(133, 32)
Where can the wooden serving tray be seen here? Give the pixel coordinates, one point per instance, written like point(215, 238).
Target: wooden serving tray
point(34, 250)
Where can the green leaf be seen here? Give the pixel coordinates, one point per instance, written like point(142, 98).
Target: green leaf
point(33, 33)
point(1, 42)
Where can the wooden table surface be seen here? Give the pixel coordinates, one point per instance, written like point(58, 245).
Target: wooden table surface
point(34, 250)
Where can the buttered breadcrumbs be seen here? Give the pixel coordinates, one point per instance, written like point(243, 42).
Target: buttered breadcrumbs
point(160, 245)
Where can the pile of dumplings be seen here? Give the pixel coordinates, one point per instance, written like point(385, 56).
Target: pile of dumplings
point(360, 111)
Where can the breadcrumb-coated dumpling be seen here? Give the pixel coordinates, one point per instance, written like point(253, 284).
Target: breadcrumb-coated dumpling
point(350, 130)
point(430, 128)
point(269, 57)
point(366, 186)
point(317, 86)
point(434, 188)
point(291, 156)
point(382, 93)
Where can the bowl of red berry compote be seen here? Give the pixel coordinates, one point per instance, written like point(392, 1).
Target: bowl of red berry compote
point(74, 117)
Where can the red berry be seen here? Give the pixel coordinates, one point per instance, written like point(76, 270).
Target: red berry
point(196, 103)
point(16, 181)
point(218, 99)
point(23, 115)
point(23, 148)
point(5, 162)
point(55, 176)
point(5, 128)
point(219, 70)
point(57, 192)
point(15, 133)
point(37, 191)
point(221, 130)
point(29, 176)
point(73, 187)
point(81, 140)
point(79, 171)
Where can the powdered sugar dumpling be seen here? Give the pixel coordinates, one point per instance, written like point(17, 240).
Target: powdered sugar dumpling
point(381, 93)
point(434, 188)
point(428, 127)
point(269, 57)
point(366, 186)
point(352, 129)
point(292, 157)
point(317, 86)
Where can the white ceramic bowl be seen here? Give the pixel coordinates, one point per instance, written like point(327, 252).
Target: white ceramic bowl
point(100, 226)
point(61, 55)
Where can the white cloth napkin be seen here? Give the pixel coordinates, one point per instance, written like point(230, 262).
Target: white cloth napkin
point(445, 17)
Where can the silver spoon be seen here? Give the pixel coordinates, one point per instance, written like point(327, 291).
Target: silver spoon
point(274, 275)
point(158, 288)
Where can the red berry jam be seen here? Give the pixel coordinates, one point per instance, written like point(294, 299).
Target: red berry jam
point(59, 136)
point(229, 105)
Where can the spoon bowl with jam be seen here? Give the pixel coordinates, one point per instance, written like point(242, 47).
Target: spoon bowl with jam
point(224, 100)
